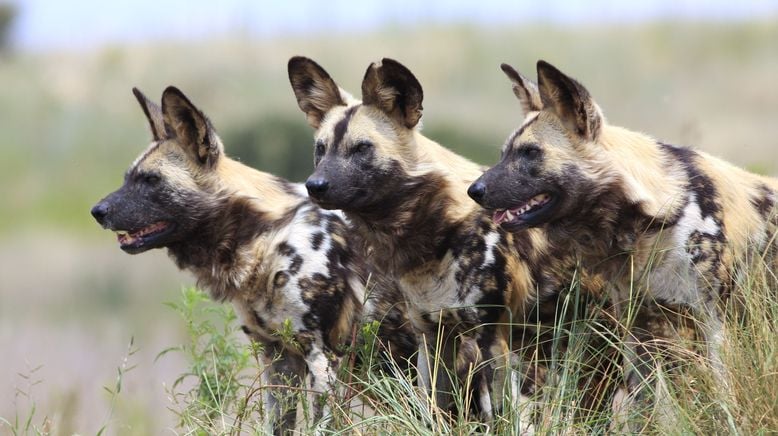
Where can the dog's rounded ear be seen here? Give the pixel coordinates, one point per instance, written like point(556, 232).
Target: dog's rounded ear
point(190, 127)
point(525, 90)
point(570, 101)
point(391, 87)
point(314, 89)
point(153, 115)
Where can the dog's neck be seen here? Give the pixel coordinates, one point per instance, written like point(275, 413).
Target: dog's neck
point(231, 221)
point(411, 229)
point(273, 195)
point(606, 229)
point(416, 225)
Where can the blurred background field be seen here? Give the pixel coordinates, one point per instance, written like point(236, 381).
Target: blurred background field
point(70, 300)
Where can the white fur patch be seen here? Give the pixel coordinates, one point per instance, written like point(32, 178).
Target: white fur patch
point(314, 261)
point(485, 401)
point(300, 189)
point(675, 279)
point(491, 241)
point(288, 302)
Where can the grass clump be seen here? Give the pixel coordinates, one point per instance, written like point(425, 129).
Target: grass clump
point(215, 395)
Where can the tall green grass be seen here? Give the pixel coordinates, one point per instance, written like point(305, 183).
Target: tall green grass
point(578, 358)
point(582, 373)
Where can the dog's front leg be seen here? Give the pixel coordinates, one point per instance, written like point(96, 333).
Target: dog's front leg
point(639, 364)
point(284, 369)
point(475, 375)
point(323, 372)
point(434, 364)
point(713, 331)
point(423, 367)
point(508, 379)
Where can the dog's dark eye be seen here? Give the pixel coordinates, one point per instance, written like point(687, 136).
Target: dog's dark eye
point(529, 152)
point(362, 146)
point(151, 179)
point(319, 148)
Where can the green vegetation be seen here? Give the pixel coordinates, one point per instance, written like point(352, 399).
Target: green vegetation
point(225, 399)
point(225, 371)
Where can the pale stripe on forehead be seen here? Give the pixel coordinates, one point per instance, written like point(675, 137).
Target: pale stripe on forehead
point(339, 131)
point(527, 121)
point(150, 149)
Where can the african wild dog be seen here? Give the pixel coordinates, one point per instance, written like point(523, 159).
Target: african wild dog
point(662, 222)
point(467, 282)
point(252, 239)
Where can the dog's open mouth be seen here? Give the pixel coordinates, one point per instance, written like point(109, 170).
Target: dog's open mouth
point(525, 213)
point(132, 241)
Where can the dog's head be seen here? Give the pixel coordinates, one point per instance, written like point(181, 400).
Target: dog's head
point(543, 172)
point(167, 187)
point(362, 150)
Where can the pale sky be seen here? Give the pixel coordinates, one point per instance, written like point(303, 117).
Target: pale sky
point(45, 24)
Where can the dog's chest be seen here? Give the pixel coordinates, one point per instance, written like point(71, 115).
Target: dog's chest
point(276, 307)
point(431, 289)
point(434, 299)
point(450, 290)
point(292, 271)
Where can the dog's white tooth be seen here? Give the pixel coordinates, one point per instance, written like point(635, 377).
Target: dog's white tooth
point(508, 215)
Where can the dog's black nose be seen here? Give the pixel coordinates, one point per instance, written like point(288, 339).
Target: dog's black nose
point(100, 211)
point(316, 187)
point(477, 191)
